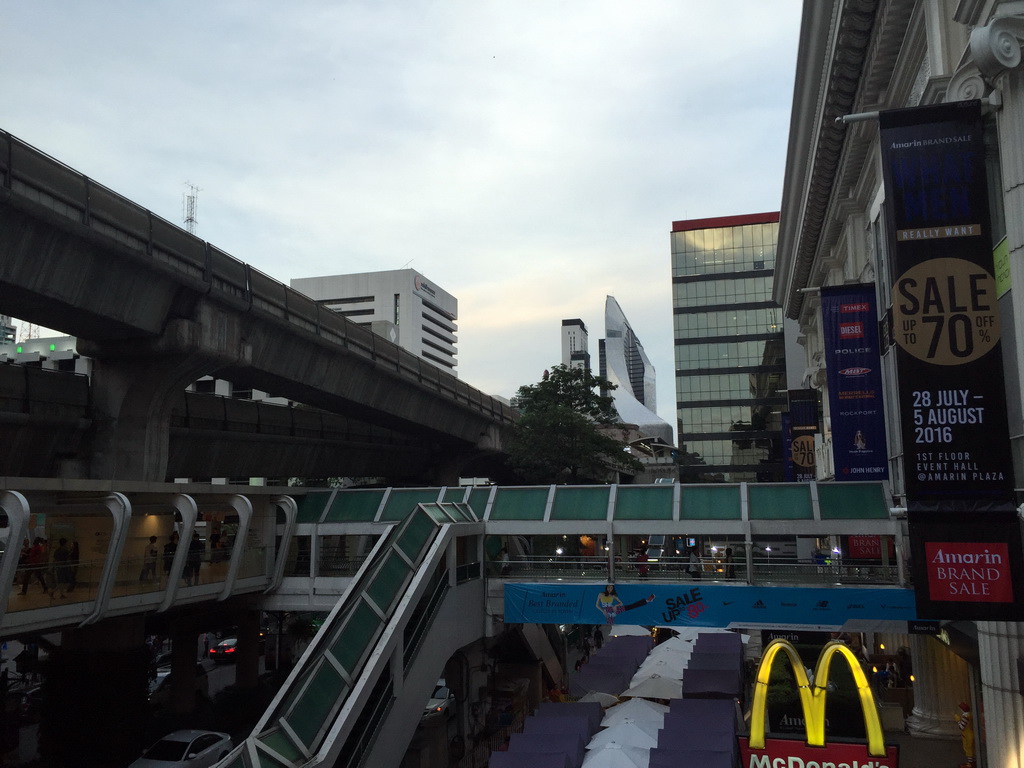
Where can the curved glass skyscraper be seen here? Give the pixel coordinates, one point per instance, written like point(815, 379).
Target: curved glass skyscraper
point(624, 363)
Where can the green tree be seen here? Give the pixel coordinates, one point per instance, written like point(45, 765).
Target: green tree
point(559, 437)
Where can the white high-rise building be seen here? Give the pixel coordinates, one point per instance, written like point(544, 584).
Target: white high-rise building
point(400, 304)
point(7, 330)
point(575, 344)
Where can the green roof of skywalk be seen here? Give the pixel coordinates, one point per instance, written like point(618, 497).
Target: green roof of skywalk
point(566, 503)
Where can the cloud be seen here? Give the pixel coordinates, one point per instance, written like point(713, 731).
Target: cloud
point(527, 156)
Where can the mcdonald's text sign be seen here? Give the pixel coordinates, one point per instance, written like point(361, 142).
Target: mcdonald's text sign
point(789, 753)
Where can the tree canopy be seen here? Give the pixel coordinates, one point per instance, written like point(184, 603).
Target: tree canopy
point(558, 437)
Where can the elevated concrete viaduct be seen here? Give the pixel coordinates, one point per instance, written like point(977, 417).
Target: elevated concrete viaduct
point(157, 308)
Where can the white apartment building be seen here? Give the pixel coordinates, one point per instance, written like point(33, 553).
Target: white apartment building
point(575, 344)
point(399, 304)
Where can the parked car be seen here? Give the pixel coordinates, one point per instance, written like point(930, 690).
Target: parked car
point(160, 685)
point(225, 650)
point(186, 749)
point(25, 703)
point(441, 702)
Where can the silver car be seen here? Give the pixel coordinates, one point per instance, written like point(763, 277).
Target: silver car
point(186, 749)
point(441, 702)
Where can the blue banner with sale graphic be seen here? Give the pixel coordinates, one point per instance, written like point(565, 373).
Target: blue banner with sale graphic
point(703, 605)
point(850, 328)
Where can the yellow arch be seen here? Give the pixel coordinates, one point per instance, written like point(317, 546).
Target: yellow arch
point(812, 701)
point(872, 725)
point(764, 672)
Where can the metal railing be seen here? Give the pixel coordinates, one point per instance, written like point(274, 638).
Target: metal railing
point(675, 570)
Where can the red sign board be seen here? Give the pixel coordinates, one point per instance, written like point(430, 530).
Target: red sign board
point(969, 571)
point(867, 547)
point(786, 753)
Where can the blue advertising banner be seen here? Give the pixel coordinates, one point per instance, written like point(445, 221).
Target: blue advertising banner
point(850, 328)
point(703, 605)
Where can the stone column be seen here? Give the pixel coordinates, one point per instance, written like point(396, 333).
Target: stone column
point(1000, 645)
point(940, 684)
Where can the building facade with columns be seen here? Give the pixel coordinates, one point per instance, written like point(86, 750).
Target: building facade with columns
point(858, 58)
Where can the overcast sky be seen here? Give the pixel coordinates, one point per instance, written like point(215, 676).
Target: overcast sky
point(528, 156)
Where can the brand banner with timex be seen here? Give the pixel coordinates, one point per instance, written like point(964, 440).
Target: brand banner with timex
point(850, 329)
point(945, 318)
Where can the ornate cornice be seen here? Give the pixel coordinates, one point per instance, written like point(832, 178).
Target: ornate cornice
point(842, 79)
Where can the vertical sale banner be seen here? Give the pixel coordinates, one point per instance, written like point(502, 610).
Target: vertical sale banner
point(945, 317)
point(946, 328)
point(803, 426)
point(850, 328)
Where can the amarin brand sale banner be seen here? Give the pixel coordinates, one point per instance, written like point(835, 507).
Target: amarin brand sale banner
point(946, 323)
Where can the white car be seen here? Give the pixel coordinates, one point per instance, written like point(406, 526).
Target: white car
point(186, 749)
point(441, 702)
point(160, 685)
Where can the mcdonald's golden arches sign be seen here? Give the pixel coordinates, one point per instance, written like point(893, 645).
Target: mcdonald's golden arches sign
point(760, 752)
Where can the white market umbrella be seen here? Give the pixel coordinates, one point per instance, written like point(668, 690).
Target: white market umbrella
point(628, 630)
point(656, 687)
point(640, 710)
point(615, 755)
point(628, 733)
point(679, 643)
point(662, 667)
point(676, 656)
point(606, 700)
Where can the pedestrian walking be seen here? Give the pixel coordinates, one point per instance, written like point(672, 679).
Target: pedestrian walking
point(74, 556)
point(23, 560)
point(194, 559)
point(149, 558)
point(36, 564)
point(694, 567)
point(598, 637)
point(169, 549)
point(61, 569)
point(641, 563)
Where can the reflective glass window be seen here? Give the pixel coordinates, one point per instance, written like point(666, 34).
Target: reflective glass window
point(724, 250)
point(734, 291)
point(731, 322)
point(725, 354)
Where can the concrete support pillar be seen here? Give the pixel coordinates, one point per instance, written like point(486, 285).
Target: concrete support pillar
point(135, 383)
point(1000, 645)
point(95, 695)
point(940, 683)
point(184, 688)
point(247, 668)
point(132, 402)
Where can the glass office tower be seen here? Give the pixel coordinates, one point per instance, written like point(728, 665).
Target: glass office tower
point(729, 349)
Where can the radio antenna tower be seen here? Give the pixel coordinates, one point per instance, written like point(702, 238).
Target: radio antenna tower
point(29, 331)
point(188, 207)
